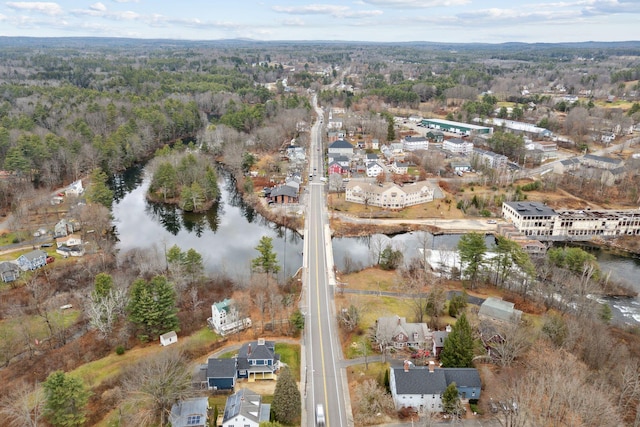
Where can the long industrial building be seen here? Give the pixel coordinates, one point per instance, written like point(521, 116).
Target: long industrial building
point(540, 222)
point(456, 127)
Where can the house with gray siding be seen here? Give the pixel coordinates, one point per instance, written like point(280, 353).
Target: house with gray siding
point(32, 260)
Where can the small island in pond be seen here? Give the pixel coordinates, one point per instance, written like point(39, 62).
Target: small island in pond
point(185, 179)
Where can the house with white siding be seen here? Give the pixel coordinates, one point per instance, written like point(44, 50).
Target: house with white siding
point(421, 388)
point(457, 146)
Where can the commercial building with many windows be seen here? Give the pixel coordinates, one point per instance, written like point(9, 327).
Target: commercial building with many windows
point(540, 222)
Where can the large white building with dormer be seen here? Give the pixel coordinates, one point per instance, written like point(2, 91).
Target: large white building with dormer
point(389, 195)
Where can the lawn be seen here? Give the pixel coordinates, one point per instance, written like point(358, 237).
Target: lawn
point(290, 355)
point(371, 279)
point(96, 372)
point(36, 325)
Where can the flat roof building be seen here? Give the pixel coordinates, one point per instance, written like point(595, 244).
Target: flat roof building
point(456, 127)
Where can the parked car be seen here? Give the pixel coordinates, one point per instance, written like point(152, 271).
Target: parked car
point(46, 245)
point(492, 221)
point(50, 259)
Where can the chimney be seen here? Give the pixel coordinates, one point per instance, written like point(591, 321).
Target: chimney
point(432, 366)
point(249, 350)
point(406, 366)
point(399, 322)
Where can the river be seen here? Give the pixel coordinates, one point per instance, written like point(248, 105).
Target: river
point(228, 234)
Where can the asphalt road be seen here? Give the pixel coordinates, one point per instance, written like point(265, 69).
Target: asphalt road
point(322, 379)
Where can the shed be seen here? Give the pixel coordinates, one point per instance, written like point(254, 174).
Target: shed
point(168, 338)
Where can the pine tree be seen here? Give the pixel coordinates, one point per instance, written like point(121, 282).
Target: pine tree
point(66, 400)
point(458, 346)
point(99, 192)
point(267, 261)
point(286, 399)
point(472, 248)
point(450, 399)
point(103, 284)
point(152, 306)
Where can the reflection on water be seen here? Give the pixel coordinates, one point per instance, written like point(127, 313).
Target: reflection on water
point(225, 236)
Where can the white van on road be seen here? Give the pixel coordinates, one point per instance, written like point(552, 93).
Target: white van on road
point(320, 415)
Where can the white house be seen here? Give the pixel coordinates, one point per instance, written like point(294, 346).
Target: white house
point(341, 148)
point(413, 143)
point(74, 189)
point(458, 146)
point(389, 195)
point(70, 240)
point(168, 338)
point(421, 388)
point(500, 310)
point(374, 169)
point(400, 167)
point(225, 318)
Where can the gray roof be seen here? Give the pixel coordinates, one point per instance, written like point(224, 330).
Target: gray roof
point(7, 266)
point(246, 403)
point(372, 156)
point(498, 309)
point(389, 327)
point(456, 141)
point(341, 143)
point(35, 254)
point(415, 138)
point(221, 368)
point(284, 190)
point(463, 377)
point(422, 381)
point(531, 208)
point(184, 413)
point(341, 159)
point(439, 337)
point(253, 350)
point(570, 161)
point(419, 381)
point(602, 159)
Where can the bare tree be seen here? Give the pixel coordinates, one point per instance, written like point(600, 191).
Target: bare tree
point(23, 405)
point(371, 401)
point(515, 339)
point(154, 384)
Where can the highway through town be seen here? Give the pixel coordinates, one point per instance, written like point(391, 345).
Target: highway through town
point(323, 381)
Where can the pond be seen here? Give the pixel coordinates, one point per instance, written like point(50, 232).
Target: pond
point(226, 236)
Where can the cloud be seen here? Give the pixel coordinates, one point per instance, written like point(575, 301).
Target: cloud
point(610, 7)
point(99, 7)
point(47, 8)
point(100, 10)
point(411, 4)
point(335, 11)
point(127, 1)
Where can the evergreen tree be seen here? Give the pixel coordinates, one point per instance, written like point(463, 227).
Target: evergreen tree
point(472, 248)
point(286, 399)
point(65, 400)
point(152, 306)
point(390, 259)
point(267, 261)
point(165, 180)
point(193, 264)
point(458, 346)
point(99, 192)
point(451, 399)
point(103, 284)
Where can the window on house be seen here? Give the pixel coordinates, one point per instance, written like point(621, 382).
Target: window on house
point(193, 420)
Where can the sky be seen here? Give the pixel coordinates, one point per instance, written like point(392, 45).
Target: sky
point(455, 21)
